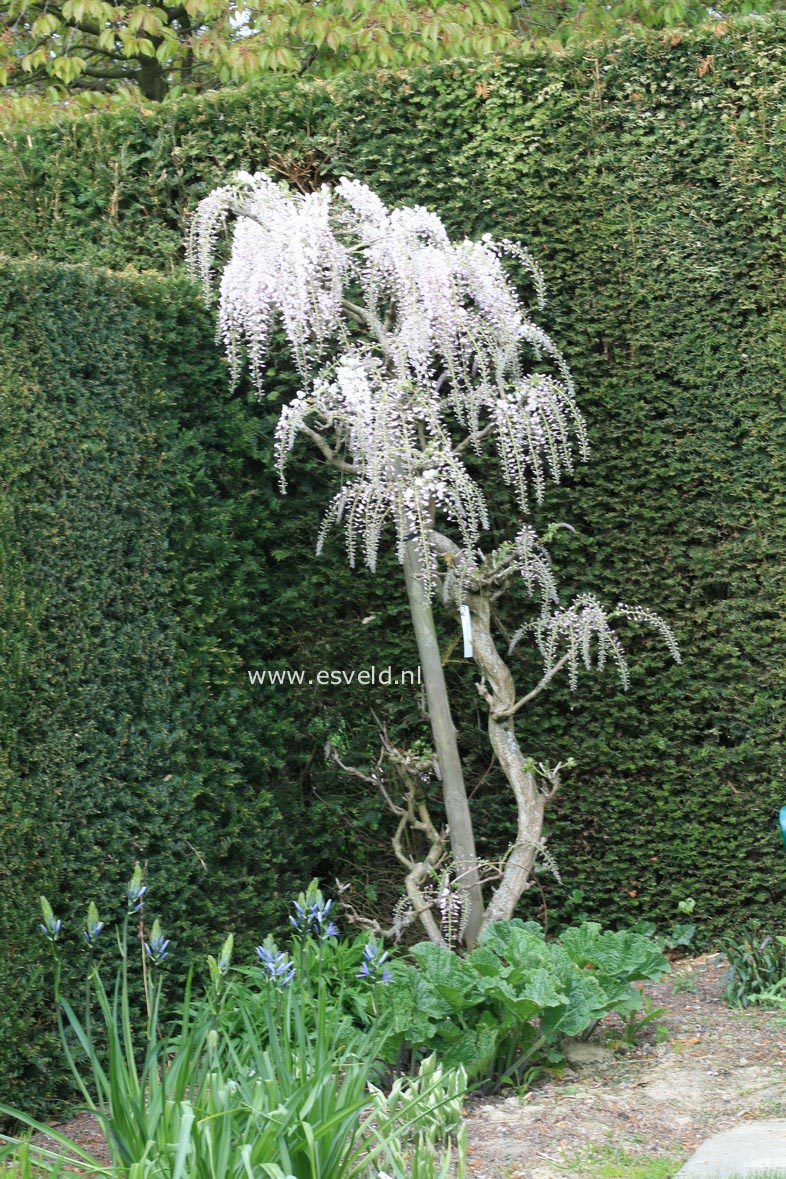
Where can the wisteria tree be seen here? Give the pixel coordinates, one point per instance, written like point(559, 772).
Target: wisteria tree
point(415, 352)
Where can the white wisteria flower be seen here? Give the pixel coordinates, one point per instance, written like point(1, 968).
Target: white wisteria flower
point(411, 349)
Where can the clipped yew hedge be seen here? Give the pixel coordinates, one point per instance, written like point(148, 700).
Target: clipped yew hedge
point(147, 564)
point(126, 731)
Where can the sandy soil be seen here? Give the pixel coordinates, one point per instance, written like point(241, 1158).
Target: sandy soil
point(709, 1068)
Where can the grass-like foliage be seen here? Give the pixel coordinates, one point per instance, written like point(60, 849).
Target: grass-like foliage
point(757, 967)
point(268, 1077)
point(614, 1162)
point(282, 1070)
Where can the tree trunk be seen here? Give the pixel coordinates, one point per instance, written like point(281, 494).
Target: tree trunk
point(462, 840)
point(151, 79)
point(499, 692)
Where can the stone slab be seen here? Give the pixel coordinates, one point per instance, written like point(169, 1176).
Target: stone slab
point(754, 1148)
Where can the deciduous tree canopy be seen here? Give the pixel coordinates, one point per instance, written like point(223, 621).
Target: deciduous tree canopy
point(87, 50)
point(73, 46)
point(558, 22)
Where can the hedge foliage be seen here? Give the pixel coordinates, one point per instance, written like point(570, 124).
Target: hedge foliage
point(149, 559)
point(129, 549)
point(147, 564)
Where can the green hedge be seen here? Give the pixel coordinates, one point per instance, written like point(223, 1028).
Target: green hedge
point(147, 563)
point(127, 733)
point(647, 176)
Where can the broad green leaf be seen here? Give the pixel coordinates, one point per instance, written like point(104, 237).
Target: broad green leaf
point(45, 25)
point(484, 961)
point(427, 1000)
point(520, 944)
point(585, 1002)
point(474, 1049)
point(451, 978)
point(624, 955)
point(540, 990)
point(67, 68)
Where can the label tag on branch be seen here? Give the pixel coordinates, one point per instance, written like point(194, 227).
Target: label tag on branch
point(466, 630)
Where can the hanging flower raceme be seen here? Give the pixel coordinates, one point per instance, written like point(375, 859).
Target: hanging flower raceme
point(286, 265)
point(582, 633)
point(387, 432)
point(411, 349)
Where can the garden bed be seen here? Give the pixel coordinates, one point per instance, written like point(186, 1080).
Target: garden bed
point(637, 1113)
point(701, 1067)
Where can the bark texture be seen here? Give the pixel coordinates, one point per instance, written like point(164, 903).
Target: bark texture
point(497, 689)
point(462, 839)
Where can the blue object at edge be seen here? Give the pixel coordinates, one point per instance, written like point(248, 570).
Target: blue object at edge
point(782, 823)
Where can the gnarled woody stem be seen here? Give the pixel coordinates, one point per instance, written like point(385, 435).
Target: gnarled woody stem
point(462, 840)
point(498, 691)
point(412, 815)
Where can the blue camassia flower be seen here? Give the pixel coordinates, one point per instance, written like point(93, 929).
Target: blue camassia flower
point(136, 891)
point(276, 965)
point(157, 946)
point(372, 967)
point(313, 918)
point(51, 925)
point(94, 926)
point(51, 930)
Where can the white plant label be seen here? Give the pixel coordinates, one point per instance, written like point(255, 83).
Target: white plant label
point(466, 630)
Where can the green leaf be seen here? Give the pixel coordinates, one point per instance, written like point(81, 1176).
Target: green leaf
point(451, 978)
point(528, 997)
point(585, 1001)
point(474, 1049)
point(624, 955)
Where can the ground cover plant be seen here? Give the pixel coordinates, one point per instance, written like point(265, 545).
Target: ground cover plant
point(620, 1122)
point(615, 1163)
point(503, 1010)
point(413, 352)
point(756, 966)
point(332, 1057)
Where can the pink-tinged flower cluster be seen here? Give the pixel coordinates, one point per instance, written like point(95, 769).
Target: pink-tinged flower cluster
point(584, 633)
point(286, 266)
point(405, 469)
point(533, 562)
point(411, 349)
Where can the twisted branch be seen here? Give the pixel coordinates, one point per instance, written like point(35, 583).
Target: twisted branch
point(413, 815)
